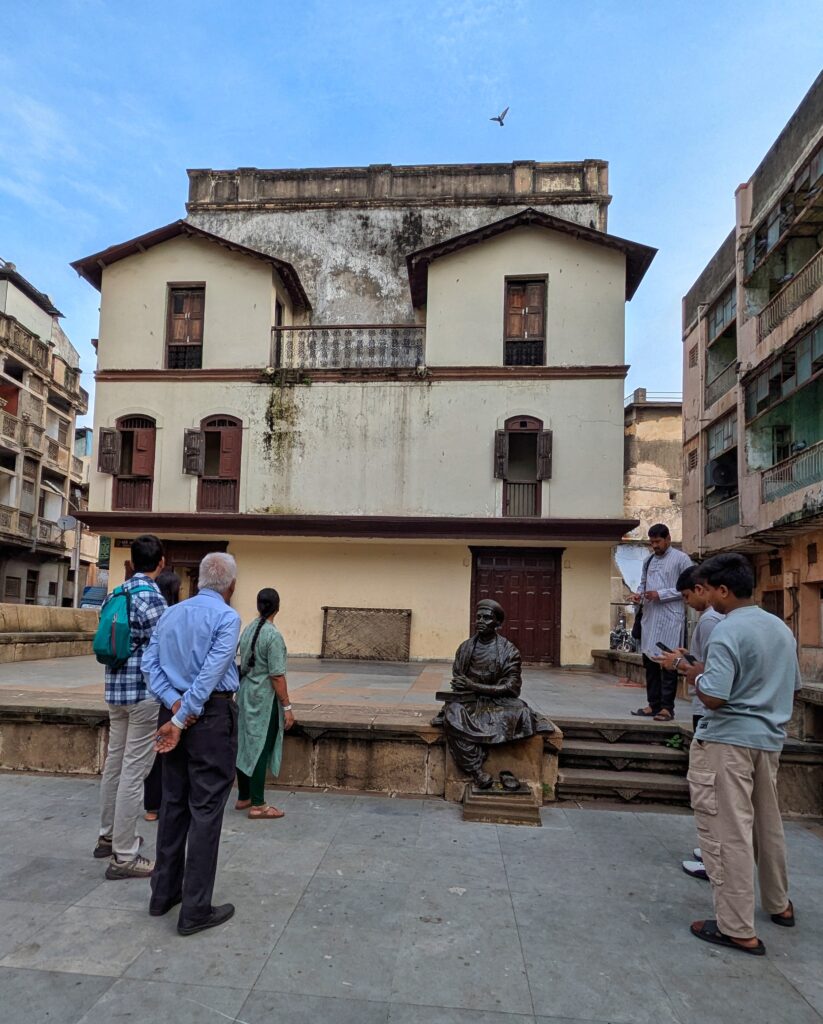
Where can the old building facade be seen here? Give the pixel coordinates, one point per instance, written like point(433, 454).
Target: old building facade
point(386, 390)
point(753, 384)
point(41, 479)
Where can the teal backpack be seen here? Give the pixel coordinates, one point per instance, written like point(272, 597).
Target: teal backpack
point(112, 641)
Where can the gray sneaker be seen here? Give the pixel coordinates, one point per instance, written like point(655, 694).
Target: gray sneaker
point(103, 848)
point(140, 867)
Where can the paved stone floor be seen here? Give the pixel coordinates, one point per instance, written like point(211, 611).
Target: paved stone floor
point(311, 681)
point(359, 910)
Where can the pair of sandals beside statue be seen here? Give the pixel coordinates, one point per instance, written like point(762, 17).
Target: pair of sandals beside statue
point(483, 707)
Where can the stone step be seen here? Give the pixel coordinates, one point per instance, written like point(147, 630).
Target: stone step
point(623, 756)
point(623, 730)
point(640, 787)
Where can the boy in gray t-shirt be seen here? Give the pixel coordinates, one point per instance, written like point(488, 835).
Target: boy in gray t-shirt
point(747, 687)
point(694, 594)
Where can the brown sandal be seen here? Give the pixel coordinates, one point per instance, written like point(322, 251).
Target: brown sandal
point(242, 805)
point(265, 812)
point(664, 716)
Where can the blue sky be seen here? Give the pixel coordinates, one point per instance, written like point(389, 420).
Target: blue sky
point(103, 106)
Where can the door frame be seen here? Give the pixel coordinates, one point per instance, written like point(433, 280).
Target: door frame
point(557, 553)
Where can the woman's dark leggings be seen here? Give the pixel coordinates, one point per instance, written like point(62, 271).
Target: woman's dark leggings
point(253, 786)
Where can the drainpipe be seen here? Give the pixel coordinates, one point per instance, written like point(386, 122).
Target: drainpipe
point(702, 309)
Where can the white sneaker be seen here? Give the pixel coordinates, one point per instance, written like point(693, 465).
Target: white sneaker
point(696, 869)
point(697, 853)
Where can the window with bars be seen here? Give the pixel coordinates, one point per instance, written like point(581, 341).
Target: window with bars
point(126, 452)
point(525, 323)
point(722, 435)
point(522, 460)
point(184, 330)
point(691, 459)
point(212, 453)
point(722, 312)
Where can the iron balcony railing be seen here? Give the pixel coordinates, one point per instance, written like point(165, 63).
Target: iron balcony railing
point(723, 382)
point(521, 499)
point(792, 474)
point(369, 346)
point(806, 281)
point(727, 513)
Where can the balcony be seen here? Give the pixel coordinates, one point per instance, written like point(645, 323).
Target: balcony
point(804, 283)
point(792, 474)
point(89, 546)
point(57, 453)
point(371, 346)
point(726, 513)
point(14, 336)
point(521, 499)
point(723, 382)
point(49, 532)
point(14, 522)
point(76, 467)
point(11, 428)
point(33, 438)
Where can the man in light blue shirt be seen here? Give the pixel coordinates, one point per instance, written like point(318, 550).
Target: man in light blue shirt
point(190, 667)
point(747, 687)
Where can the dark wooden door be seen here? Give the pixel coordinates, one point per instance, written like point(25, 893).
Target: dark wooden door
point(526, 583)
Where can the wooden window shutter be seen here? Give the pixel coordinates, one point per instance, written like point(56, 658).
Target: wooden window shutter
point(515, 305)
point(534, 312)
point(501, 454)
point(544, 455)
point(142, 460)
point(194, 452)
point(108, 452)
point(230, 440)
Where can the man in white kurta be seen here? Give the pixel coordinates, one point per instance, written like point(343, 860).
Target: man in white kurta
point(664, 619)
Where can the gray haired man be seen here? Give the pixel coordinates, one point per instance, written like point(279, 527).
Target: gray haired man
point(190, 667)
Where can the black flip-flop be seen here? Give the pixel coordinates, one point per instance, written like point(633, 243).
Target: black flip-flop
point(709, 932)
point(508, 781)
point(643, 713)
point(785, 922)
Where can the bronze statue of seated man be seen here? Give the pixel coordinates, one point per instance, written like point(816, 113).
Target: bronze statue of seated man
point(484, 707)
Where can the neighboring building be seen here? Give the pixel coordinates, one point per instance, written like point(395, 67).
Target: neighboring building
point(652, 484)
point(40, 478)
point(387, 390)
point(753, 384)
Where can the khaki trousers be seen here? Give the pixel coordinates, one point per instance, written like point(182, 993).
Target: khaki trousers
point(734, 798)
point(130, 755)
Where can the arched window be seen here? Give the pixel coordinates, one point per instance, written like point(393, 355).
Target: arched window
point(522, 460)
point(127, 453)
point(212, 453)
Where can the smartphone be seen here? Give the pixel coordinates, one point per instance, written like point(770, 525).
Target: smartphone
point(663, 647)
point(690, 658)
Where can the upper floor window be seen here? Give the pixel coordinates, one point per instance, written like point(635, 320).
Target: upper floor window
point(522, 459)
point(525, 322)
point(184, 331)
point(127, 453)
point(722, 312)
point(213, 454)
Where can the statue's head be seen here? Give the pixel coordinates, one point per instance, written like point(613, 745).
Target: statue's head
point(488, 618)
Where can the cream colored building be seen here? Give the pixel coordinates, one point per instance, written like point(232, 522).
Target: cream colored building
point(381, 465)
point(753, 384)
point(41, 479)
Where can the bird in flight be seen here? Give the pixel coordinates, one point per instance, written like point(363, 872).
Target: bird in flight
point(500, 117)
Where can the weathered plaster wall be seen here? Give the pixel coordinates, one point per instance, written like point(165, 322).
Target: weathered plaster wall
point(584, 309)
point(653, 459)
point(410, 448)
point(28, 313)
point(352, 262)
point(238, 317)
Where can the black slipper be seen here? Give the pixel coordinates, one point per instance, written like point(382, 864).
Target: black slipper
point(709, 932)
point(643, 713)
point(784, 922)
point(508, 781)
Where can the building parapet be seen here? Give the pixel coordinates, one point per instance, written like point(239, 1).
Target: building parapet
point(22, 341)
point(350, 347)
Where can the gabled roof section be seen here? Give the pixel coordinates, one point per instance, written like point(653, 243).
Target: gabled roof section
point(91, 267)
point(638, 257)
point(8, 272)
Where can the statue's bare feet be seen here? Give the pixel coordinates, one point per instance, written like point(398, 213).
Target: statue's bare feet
point(483, 780)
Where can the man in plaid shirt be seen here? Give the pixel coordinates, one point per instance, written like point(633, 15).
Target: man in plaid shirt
point(132, 723)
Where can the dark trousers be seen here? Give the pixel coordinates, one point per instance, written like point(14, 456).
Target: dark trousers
point(197, 779)
point(153, 786)
point(695, 721)
point(253, 787)
point(661, 686)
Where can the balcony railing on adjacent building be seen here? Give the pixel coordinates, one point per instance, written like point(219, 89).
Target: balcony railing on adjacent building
point(11, 427)
point(726, 513)
point(521, 499)
point(792, 474)
point(366, 347)
point(723, 382)
point(806, 281)
point(33, 437)
point(49, 532)
point(12, 521)
point(23, 342)
point(57, 453)
point(77, 467)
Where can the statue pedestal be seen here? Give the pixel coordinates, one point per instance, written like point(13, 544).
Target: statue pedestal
point(523, 758)
point(500, 806)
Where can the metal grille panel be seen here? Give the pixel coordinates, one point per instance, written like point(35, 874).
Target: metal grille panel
point(366, 634)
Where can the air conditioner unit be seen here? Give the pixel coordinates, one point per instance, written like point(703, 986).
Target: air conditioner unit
point(791, 580)
point(720, 474)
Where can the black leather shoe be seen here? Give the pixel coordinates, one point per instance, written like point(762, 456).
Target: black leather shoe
point(219, 915)
point(158, 909)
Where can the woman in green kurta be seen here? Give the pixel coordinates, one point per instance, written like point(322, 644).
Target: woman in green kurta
point(265, 709)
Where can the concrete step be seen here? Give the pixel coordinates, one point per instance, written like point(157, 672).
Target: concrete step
point(623, 757)
point(639, 787)
point(623, 730)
